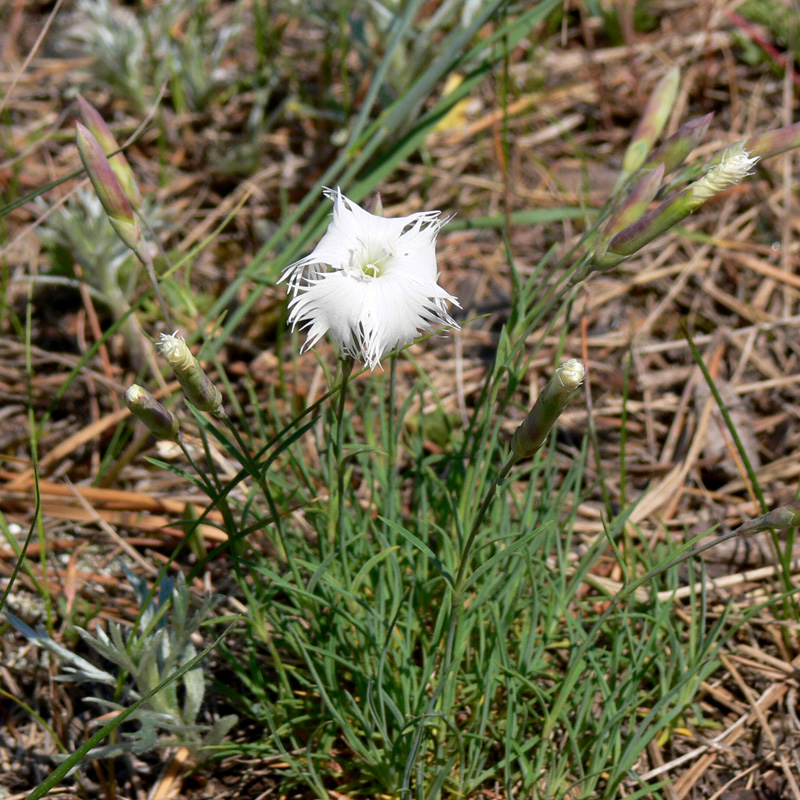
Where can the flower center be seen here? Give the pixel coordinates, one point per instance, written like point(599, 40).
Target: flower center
point(366, 264)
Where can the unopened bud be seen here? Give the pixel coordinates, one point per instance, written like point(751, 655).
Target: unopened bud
point(732, 168)
point(122, 169)
point(772, 143)
point(375, 205)
point(548, 407)
point(647, 227)
point(197, 386)
point(779, 519)
point(656, 113)
point(674, 150)
point(108, 189)
point(162, 423)
point(635, 204)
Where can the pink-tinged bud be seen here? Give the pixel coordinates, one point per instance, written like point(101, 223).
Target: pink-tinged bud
point(674, 150)
point(656, 113)
point(375, 206)
point(197, 386)
point(646, 228)
point(163, 424)
point(98, 128)
point(772, 143)
point(108, 189)
point(635, 204)
point(530, 436)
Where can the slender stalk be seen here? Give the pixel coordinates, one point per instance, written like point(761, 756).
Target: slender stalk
point(146, 259)
point(190, 458)
point(484, 507)
point(261, 480)
point(336, 487)
point(222, 504)
point(391, 445)
point(149, 228)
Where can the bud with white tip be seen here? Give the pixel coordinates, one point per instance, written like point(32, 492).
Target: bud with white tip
point(735, 166)
point(554, 398)
point(197, 386)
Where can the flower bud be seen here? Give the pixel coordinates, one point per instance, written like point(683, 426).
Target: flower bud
point(656, 113)
point(674, 150)
point(375, 205)
point(772, 143)
point(732, 168)
point(530, 436)
point(122, 169)
point(108, 189)
point(780, 519)
point(635, 204)
point(646, 228)
point(163, 424)
point(197, 386)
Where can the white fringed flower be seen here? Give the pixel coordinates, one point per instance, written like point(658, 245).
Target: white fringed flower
point(371, 282)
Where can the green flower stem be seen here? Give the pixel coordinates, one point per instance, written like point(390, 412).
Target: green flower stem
point(391, 457)
point(222, 502)
point(527, 440)
point(190, 458)
point(336, 486)
point(484, 507)
point(146, 259)
point(261, 480)
point(151, 232)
